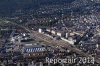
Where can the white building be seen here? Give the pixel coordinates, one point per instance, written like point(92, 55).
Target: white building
point(40, 30)
point(69, 41)
point(48, 30)
point(66, 35)
point(53, 32)
point(61, 34)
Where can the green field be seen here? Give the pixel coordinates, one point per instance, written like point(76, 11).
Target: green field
point(4, 22)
